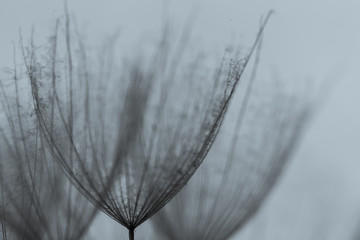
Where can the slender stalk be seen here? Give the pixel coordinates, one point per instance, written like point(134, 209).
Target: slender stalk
point(131, 234)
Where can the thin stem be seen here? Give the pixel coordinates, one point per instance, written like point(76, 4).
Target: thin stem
point(131, 234)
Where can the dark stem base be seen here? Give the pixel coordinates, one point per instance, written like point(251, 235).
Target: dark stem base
point(131, 234)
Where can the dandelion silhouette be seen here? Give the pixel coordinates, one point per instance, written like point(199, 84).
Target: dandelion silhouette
point(239, 172)
point(129, 135)
point(38, 202)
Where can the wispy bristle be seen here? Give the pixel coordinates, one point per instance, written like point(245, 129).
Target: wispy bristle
point(37, 201)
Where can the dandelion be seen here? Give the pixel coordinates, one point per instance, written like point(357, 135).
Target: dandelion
point(129, 135)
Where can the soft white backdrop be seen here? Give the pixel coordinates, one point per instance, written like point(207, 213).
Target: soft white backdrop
point(318, 197)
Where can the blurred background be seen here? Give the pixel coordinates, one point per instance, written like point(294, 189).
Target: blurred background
point(318, 196)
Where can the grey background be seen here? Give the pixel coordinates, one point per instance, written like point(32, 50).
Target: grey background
point(318, 197)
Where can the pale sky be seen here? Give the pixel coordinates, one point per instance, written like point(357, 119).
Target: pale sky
point(318, 196)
